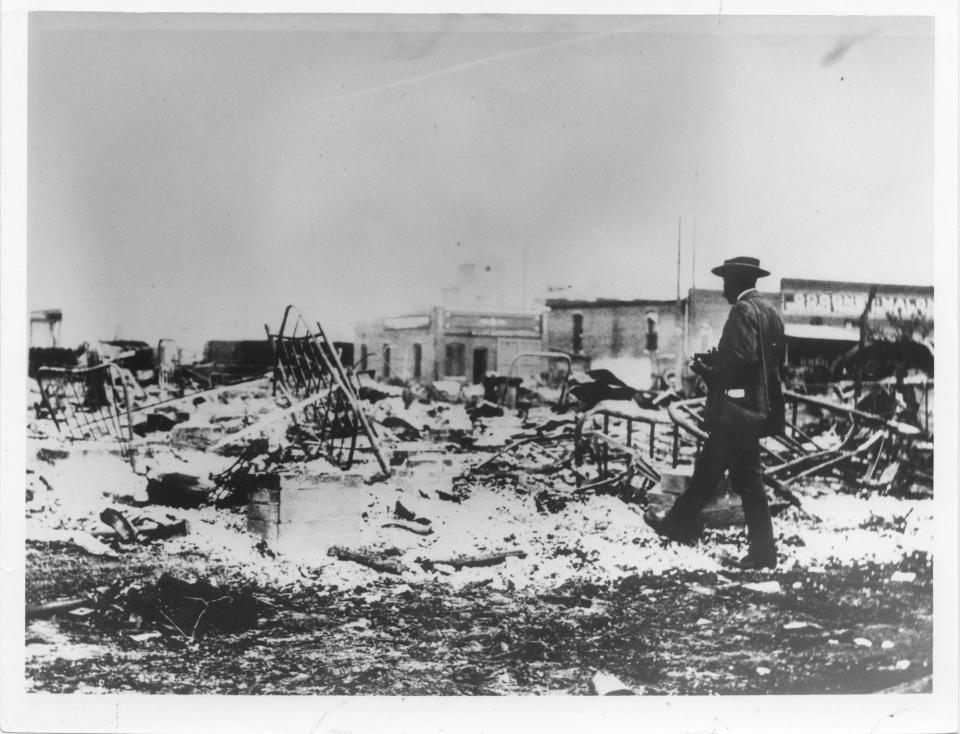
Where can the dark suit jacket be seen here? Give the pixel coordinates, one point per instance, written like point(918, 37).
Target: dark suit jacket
point(739, 365)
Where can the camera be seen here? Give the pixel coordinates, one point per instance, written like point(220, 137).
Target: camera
point(704, 363)
point(707, 359)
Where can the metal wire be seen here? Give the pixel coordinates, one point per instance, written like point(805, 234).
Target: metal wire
point(307, 365)
point(89, 403)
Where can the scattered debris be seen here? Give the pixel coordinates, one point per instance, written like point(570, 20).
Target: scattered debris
point(178, 489)
point(144, 636)
point(605, 684)
point(53, 608)
point(120, 525)
point(403, 513)
point(471, 561)
point(418, 530)
point(793, 626)
point(187, 608)
point(378, 561)
point(467, 486)
point(764, 587)
point(905, 577)
point(148, 529)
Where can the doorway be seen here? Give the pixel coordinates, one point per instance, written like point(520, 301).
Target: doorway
point(479, 364)
point(417, 361)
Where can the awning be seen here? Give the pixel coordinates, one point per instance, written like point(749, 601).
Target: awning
point(821, 332)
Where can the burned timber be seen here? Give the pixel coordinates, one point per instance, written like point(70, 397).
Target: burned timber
point(289, 523)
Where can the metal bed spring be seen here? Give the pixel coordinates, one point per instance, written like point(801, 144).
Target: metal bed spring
point(606, 437)
point(89, 403)
point(308, 370)
point(866, 439)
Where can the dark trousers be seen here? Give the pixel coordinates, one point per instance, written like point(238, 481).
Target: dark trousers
point(741, 456)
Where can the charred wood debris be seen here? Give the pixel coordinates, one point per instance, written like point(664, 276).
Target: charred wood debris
point(595, 436)
point(600, 436)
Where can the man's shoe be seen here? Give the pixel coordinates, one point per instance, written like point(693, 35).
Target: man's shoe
point(755, 560)
point(667, 528)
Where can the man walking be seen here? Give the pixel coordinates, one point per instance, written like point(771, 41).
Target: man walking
point(744, 402)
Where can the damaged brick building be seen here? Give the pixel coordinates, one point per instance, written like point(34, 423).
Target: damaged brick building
point(821, 319)
point(442, 344)
point(647, 331)
point(469, 334)
point(653, 340)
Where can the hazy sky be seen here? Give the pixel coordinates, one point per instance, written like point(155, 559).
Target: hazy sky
point(190, 175)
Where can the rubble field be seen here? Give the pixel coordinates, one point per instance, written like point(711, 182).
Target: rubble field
point(467, 570)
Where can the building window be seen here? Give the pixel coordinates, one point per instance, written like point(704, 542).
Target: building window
point(455, 363)
point(652, 337)
point(344, 352)
point(386, 361)
point(417, 361)
point(578, 333)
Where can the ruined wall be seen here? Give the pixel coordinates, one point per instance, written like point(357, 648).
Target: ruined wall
point(403, 337)
point(619, 329)
point(501, 333)
point(614, 330)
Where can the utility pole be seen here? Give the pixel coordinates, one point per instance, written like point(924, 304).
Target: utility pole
point(693, 258)
point(524, 274)
point(679, 231)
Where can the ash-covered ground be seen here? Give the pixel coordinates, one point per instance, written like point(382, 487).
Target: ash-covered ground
point(573, 593)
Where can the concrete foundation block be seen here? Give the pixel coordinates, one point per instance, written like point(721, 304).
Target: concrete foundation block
point(304, 516)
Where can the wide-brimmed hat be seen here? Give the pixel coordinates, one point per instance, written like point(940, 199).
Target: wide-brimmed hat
point(742, 264)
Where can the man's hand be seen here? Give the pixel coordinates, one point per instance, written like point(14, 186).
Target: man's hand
point(699, 367)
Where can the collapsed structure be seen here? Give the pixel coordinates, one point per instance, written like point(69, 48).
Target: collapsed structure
point(314, 429)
